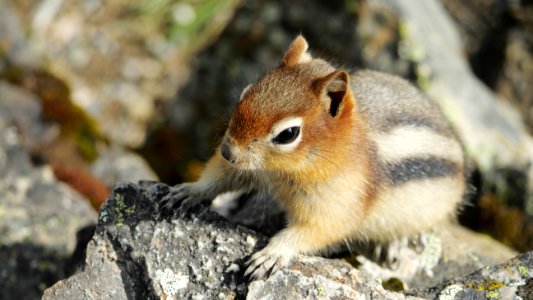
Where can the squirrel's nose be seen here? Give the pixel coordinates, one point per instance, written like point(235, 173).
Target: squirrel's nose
point(226, 152)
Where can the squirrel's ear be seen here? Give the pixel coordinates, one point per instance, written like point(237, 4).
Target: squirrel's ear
point(244, 91)
point(297, 52)
point(334, 92)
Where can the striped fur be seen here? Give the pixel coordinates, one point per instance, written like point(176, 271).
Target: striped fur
point(375, 159)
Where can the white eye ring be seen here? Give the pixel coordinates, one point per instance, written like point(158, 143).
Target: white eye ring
point(284, 125)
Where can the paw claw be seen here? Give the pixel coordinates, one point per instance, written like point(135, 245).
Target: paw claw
point(178, 201)
point(266, 262)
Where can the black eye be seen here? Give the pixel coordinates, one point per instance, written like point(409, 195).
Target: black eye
point(287, 136)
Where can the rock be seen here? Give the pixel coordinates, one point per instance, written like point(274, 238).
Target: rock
point(39, 216)
point(20, 112)
point(436, 256)
point(136, 253)
point(14, 44)
point(498, 38)
point(318, 278)
point(118, 164)
point(34, 205)
point(27, 269)
point(510, 280)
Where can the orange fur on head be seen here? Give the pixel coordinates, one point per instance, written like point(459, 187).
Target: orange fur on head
point(313, 91)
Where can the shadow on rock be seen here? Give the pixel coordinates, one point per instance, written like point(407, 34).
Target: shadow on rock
point(26, 270)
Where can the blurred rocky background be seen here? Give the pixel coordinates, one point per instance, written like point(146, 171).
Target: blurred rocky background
point(95, 92)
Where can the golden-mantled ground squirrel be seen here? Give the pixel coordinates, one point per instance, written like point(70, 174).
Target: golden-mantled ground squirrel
point(361, 156)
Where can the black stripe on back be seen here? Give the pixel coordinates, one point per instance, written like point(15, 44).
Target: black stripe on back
point(419, 168)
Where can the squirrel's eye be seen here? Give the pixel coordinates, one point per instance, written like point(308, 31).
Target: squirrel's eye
point(287, 136)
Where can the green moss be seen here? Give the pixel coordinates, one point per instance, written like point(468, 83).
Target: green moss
point(493, 285)
point(492, 294)
point(524, 272)
point(488, 286)
point(415, 53)
point(351, 5)
point(321, 290)
point(122, 210)
point(423, 77)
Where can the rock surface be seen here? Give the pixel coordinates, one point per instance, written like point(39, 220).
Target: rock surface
point(319, 278)
point(39, 216)
point(510, 280)
point(135, 253)
point(113, 55)
point(500, 33)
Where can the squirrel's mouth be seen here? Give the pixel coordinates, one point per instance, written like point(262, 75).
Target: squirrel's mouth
point(248, 162)
point(239, 158)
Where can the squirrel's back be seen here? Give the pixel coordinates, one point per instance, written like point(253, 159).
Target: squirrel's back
point(388, 102)
point(418, 156)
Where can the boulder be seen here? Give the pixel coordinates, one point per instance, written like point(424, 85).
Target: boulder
point(139, 252)
point(39, 216)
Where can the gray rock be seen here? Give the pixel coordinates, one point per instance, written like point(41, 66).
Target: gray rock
point(17, 50)
point(137, 253)
point(118, 164)
point(436, 256)
point(34, 205)
point(318, 278)
point(39, 216)
point(20, 114)
point(510, 280)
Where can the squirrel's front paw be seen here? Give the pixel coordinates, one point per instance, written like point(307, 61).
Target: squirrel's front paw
point(267, 261)
point(179, 200)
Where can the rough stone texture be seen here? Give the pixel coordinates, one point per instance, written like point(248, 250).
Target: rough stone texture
point(318, 278)
point(39, 216)
point(436, 256)
point(509, 280)
point(136, 256)
point(136, 253)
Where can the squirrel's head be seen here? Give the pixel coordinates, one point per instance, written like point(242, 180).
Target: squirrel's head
point(295, 114)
